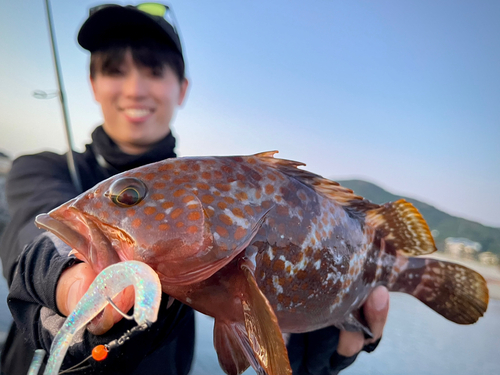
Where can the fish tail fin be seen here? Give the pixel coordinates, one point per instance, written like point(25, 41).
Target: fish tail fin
point(232, 347)
point(452, 290)
point(402, 228)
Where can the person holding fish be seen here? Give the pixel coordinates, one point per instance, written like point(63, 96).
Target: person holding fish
point(137, 76)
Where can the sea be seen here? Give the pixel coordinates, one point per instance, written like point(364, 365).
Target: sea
point(416, 341)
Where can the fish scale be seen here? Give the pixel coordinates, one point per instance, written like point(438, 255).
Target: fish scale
point(264, 247)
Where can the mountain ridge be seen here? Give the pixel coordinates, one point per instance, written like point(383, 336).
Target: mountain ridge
point(447, 224)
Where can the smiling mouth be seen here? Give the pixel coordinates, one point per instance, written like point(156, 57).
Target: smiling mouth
point(137, 113)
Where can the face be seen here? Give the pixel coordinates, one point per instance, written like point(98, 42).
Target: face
point(138, 104)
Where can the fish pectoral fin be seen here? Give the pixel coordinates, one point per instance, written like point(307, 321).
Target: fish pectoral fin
point(232, 347)
point(356, 322)
point(262, 328)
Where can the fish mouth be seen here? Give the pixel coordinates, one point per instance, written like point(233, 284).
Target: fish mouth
point(92, 241)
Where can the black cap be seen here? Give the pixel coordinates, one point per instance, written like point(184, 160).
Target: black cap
point(125, 23)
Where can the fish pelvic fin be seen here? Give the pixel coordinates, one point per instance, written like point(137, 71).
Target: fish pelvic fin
point(232, 347)
point(452, 290)
point(262, 328)
point(403, 228)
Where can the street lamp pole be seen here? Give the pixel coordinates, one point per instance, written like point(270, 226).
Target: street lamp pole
point(70, 159)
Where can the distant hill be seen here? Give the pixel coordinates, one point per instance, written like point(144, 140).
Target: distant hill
point(447, 225)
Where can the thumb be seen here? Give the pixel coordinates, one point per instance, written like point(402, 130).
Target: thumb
point(72, 285)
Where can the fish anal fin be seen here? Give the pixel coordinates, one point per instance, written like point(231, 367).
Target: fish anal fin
point(356, 322)
point(229, 343)
point(403, 228)
point(262, 327)
point(456, 292)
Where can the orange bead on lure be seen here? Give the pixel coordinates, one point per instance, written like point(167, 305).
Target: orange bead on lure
point(264, 247)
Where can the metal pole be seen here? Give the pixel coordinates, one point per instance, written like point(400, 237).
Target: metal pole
point(71, 161)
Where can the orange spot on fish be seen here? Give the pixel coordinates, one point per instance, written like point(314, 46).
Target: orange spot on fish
point(165, 167)
point(283, 210)
point(179, 192)
point(222, 205)
point(225, 219)
point(149, 176)
point(98, 204)
point(221, 231)
point(266, 205)
point(226, 169)
point(269, 189)
point(104, 215)
point(159, 185)
point(241, 177)
point(159, 217)
point(278, 265)
point(217, 193)
point(136, 223)
point(206, 175)
point(149, 227)
point(165, 177)
point(180, 180)
point(130, 212)
point(167, 205)
point(242, 196)
point(192, 229)
point(240, 233)
point(149, 210)
point(271, 176)
point(257, 194)
point(223, 187)
point(193, 216)
point(238, 212)
point(183, 167)
point(229, 200)
point(179, 224)
point(207, 199)
point(176, 213)
point(164, 226)
point(188, 198)
point(202, 186)
point(278, 198)
point(218, 175)
point(288, 269)
point(249, 210)
point(157, 197)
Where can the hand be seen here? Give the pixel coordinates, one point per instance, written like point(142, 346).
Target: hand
point(375, 310)
point(74, 283)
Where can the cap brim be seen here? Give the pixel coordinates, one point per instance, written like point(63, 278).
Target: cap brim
point(116, 23)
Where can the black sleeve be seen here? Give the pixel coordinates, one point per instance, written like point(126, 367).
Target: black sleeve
point(35, 184)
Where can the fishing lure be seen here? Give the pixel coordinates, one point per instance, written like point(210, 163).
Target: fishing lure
point(111, 281)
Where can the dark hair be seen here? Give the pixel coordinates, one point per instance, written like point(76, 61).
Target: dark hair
point(149, 54)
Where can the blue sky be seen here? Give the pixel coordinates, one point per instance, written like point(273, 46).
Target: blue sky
point(402, 94)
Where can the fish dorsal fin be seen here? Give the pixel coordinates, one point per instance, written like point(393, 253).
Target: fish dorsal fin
point(403, 228)
point(327, 188)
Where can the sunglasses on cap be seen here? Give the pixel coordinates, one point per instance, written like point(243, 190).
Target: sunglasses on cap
point(153, 9)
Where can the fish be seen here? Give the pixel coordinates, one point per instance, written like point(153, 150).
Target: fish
point(265, 247)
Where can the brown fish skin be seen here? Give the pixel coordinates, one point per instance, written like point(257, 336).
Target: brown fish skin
point(253, 241)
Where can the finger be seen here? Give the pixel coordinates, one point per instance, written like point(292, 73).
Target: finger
point(72, 285)
point(350, 343)
point(110, 316)
point(376, 309)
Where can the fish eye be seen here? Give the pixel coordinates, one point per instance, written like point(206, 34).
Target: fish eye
point(127, 192)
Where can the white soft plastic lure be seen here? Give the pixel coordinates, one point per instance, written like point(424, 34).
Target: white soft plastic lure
point(111, 281)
